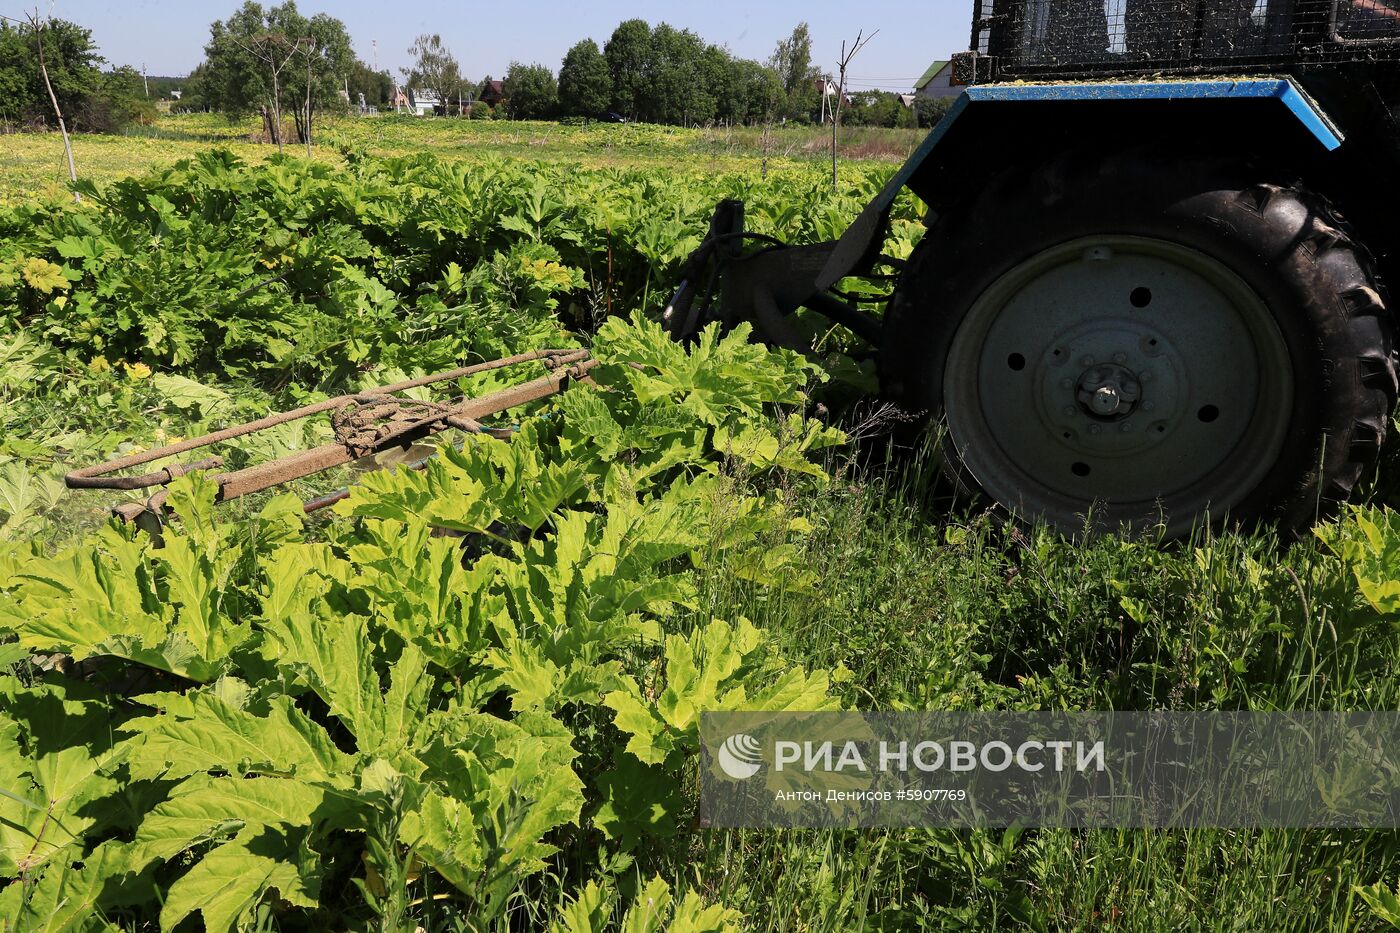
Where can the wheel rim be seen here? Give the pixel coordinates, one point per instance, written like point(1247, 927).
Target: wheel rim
point(1119, 380)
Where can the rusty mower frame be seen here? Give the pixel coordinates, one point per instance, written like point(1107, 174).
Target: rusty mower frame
point(366, 423)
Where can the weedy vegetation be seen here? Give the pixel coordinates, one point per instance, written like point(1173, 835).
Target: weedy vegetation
point(468, 701)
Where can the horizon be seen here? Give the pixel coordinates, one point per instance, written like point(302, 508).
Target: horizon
point(535, 32)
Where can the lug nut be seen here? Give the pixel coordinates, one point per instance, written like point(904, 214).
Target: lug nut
point(1120, 357)
point(1094, 429)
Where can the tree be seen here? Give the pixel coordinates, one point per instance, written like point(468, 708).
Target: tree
point(434, 69)
point(119, 101)
point(531, 91)
point(71, 60)
point(630, 64)
point(194, 92)
point(246, 61)
point(754, 93)
point(792, 60)
point(930, 110)
point(325, 58)
point(585, 85)
point(677, 91)
point(377, 86)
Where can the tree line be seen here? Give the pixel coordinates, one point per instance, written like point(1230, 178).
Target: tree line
point(284, 67)
point(661, 74)
point(90, 97)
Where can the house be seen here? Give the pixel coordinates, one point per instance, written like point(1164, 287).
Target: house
point(826, 88)
point(492, 94)
point(425, 103)
point(176, 94)
point(937, 82)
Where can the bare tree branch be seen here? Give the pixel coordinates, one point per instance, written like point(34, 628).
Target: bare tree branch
point(846, 59)
point(266, 52)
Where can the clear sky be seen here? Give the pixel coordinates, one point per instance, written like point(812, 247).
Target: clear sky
point(168, 36)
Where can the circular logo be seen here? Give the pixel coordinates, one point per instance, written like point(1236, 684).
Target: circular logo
point(739, 756)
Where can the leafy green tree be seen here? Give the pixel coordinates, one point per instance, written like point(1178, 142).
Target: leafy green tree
point(74, 70)
point(712, 75)
point(585, 85)
point(792, 60)
point(119, 101)
point(325, 59)
point(677, 91)
point(751, 93)
point(247, 60)
point(631, 64)
point(194, 95)
point(434, 68)
point(930, 110)
point(377, 86)
point(276, 60)
point(531, 91)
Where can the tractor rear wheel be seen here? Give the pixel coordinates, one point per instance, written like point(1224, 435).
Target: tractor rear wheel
point(1146, 345)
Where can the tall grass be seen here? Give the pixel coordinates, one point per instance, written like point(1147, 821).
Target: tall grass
point(953, 612)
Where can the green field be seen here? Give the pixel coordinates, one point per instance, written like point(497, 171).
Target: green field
point(34, 164)
point(353, 722)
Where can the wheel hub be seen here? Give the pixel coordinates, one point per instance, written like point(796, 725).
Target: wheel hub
point(1110, 391)
point(1120, 376)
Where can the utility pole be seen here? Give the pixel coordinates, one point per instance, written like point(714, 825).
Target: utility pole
point(374, 44)
point(144, 83)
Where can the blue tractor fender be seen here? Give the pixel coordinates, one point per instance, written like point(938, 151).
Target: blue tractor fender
point(985, 122)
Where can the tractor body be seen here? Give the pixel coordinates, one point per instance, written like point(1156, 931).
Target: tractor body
point(1153, 291)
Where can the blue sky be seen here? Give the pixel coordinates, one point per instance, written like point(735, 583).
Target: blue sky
point(168, 36)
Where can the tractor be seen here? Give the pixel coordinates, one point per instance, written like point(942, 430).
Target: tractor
point(1151, 294)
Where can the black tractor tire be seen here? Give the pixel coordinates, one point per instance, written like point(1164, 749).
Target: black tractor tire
point(1285, 242)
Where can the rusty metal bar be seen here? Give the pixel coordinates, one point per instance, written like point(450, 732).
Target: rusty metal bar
point(158, 478)
point(81, 479)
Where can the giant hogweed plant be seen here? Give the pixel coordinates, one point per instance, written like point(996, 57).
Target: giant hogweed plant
point(312, 272)
point(484, 670)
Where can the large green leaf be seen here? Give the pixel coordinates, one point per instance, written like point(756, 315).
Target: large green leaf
point(201, 731)
point(228, 882)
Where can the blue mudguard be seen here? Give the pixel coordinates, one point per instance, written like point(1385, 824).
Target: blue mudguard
point(857, 241)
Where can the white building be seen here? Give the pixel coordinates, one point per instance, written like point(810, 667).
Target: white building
point(937, 82)
point(424, 103)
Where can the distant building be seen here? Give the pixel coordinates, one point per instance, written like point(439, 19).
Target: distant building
point(176, 94)
point(425, 103)
point(492, 94)
point(827, 88)
point(937, 82)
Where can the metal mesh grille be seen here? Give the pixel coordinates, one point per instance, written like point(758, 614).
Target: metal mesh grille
point(1063, 37)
